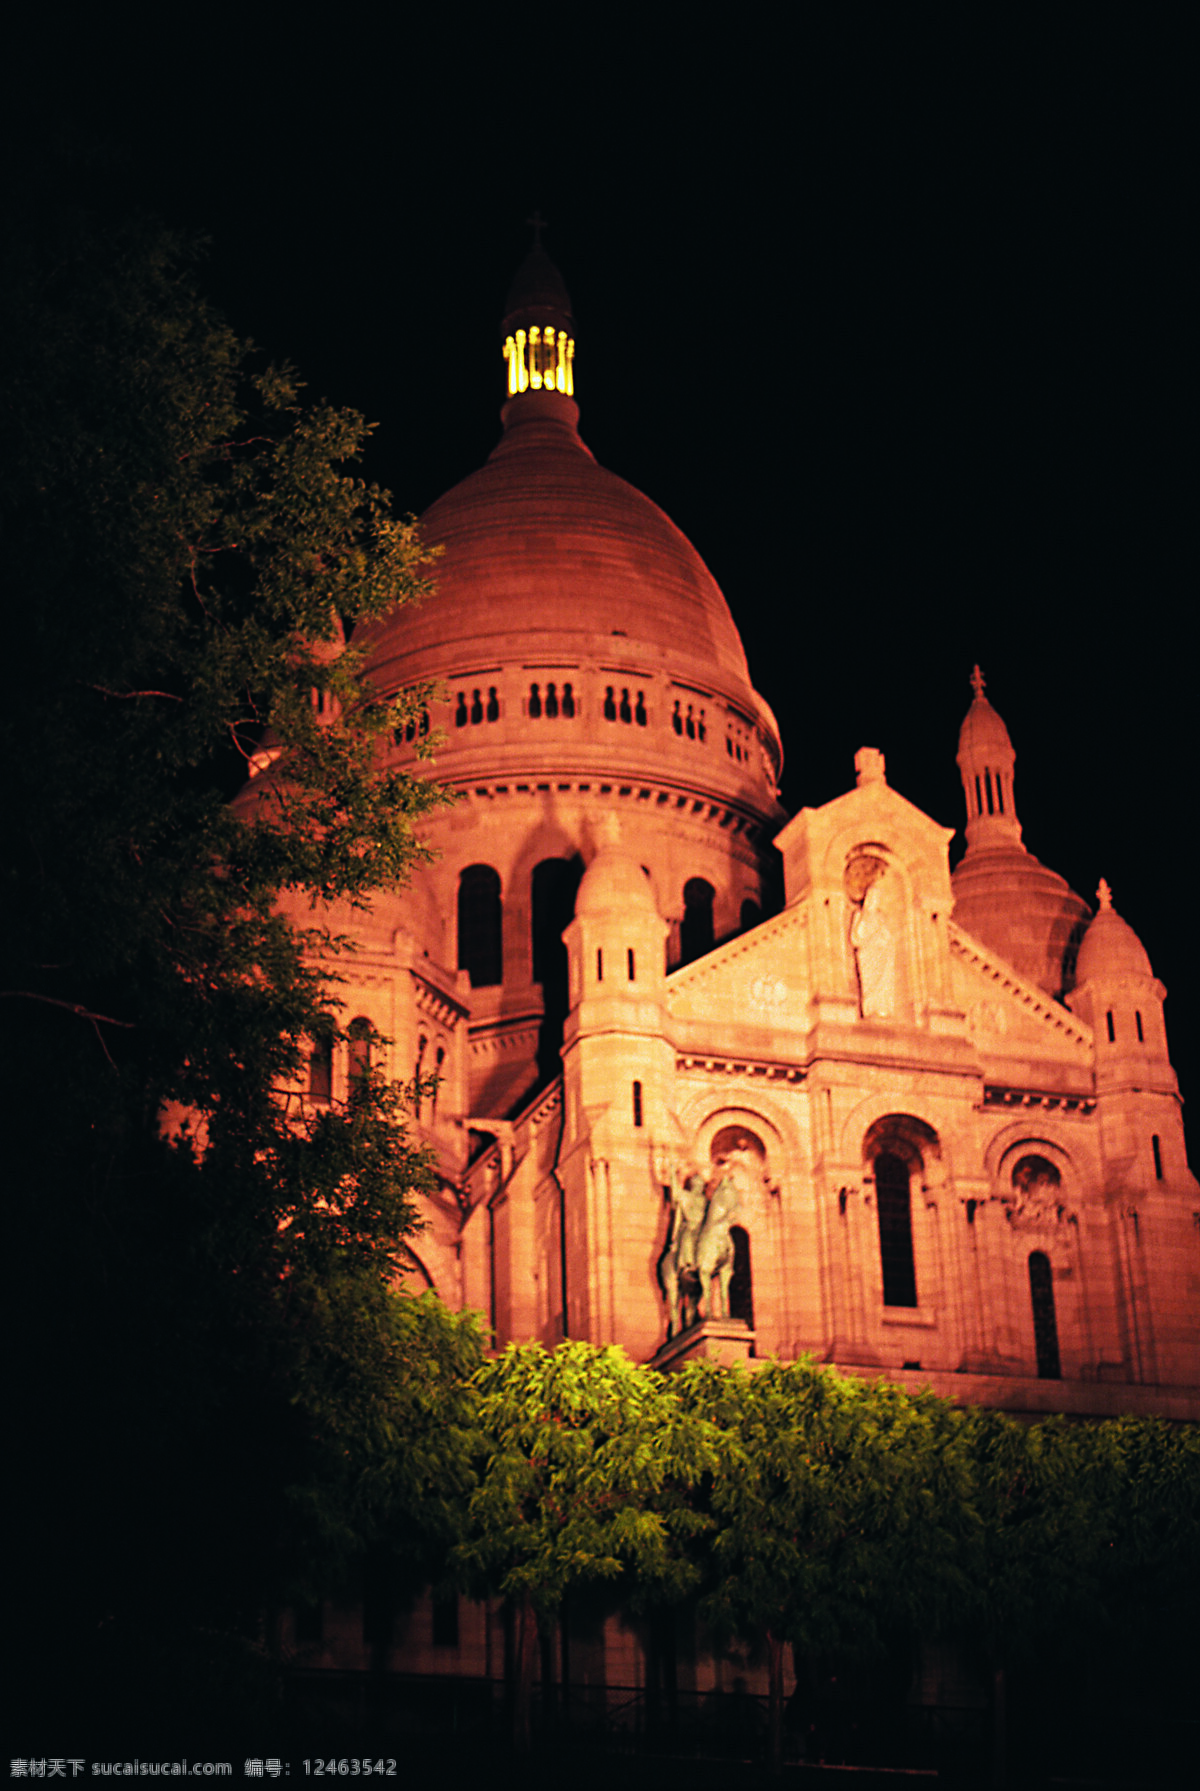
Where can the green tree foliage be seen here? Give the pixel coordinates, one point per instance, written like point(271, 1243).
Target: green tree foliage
point(839, 1511)
point(208, 1348)
point(584, 1462)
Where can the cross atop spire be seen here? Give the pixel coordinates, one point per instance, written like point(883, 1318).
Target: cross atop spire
point(978, 682)
point(538, 223)
point(1104, 894)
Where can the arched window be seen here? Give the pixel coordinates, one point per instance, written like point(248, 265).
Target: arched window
point(480, 921)
point(422, 1047)
point(320, 1066)
point(535, 702)
point(437, 1072)
point(741, 1285)
point(696, 928)
point(568, 701)
point(1045, 1324)
point(894, 1207)
point(476, 708)
point(359, 1035)
point(493, 704)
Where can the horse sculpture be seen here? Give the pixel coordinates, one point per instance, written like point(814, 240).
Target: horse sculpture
point(714, 1251)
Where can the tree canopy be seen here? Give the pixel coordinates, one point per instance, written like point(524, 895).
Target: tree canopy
point(206, 1334)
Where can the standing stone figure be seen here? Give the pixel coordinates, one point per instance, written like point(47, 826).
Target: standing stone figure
point(714, 1252)
point(874, 946)
point(677, 1271)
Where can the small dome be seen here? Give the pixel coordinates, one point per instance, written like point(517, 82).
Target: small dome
point(614, 882)
point(983, 735)
point(537, 286)
point(1110, 945)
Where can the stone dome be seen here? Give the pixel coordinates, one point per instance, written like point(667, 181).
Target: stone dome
point(545, 550)
point(983, 734)
point(614, 882)
point(1023, 910)
point(1110, 946)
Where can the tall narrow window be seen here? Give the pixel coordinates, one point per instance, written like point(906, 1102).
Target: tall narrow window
point(476, 708)
point(535, 702)
point(460, 714)
point(493, 704)
point(1112, 1031)
point(987, 787)
point(1156, 1150)
point(978, 795)
point(637, 1103)
point(552, 701)
point(422, 1046)
point(437, 1071)
point(480, 924)
point(1137, 1020)
point(696, 929)
point(894, 1205)
point(625, 712)
point(629, 964)
point(320, 1067)
point(568, 701)
point(1045, 1324)
point(610, 705)
point(639, 711)
point(555, 881)
point(741, 1285)
point(359, 1034)
point(599, 964)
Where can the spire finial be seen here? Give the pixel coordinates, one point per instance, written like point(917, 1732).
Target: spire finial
point(538, 223)
point(978, 682)
point(1104, 894)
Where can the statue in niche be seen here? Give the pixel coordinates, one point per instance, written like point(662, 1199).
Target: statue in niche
point(697, 1266)
point(677, 1272)
point(872, 938)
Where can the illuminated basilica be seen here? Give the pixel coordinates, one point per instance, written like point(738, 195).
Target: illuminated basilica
point(911, 1122)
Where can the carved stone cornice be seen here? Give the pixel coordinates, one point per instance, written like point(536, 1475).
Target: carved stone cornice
point(755, 1069)
point(997, 1095)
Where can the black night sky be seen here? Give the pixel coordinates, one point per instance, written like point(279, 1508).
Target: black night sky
point(885, 307)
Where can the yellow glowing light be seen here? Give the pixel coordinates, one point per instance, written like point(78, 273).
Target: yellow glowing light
point(548, 365)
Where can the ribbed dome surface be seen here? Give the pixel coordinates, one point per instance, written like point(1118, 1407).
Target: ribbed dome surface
point(983, 733)
point(1022, 909)
point(547, 553)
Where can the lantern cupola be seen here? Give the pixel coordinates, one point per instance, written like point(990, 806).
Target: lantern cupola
point(538, 330)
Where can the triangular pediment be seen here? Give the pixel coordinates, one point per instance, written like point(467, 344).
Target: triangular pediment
point(760, 979)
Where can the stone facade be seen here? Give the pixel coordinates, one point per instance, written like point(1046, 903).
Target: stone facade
point(938, 1110)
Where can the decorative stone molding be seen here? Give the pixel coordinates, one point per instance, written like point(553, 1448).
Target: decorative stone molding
point(742, 1066)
